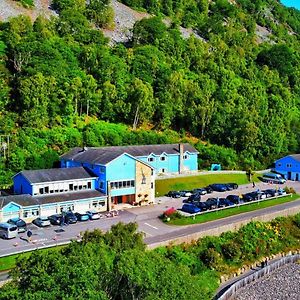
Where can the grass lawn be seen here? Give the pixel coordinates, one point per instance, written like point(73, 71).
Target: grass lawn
point(9, 262)
point(162, 186)
point(215, 215)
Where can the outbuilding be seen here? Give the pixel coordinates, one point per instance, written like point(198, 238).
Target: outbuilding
point(289, 167)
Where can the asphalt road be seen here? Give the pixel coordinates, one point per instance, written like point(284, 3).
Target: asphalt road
point(146, 218)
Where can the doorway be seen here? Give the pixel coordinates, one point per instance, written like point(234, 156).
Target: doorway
point(297, 177)
point(289, 175)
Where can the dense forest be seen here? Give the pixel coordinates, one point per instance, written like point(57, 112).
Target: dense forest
point(116, 265)
point(232, 92)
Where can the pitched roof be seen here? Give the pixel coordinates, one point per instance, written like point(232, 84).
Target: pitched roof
point(47, 199)
point(22, 200)
point(103, 155)
point(48, 175)
point(295, 156)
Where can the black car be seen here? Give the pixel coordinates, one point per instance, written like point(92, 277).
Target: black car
point(208, 189)
point(225, 202)
point(232, 186)
point(270, 193)
point(194, 197)
point(202, 205)
point(174, 194)
point(56, 219)
point(219, 187)
point(200, 191)
point(250, 197)
point(22, 227)
point(70, 217)
point(234, 199)
point(212, 203)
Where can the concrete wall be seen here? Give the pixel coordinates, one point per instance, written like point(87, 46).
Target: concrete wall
point(229, 227)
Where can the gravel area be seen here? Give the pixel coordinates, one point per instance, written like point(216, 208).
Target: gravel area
point(10, 8)
point(281, 284)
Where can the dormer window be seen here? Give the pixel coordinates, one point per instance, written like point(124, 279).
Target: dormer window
point(185, 156)
point(150, 159)
point(162, 158)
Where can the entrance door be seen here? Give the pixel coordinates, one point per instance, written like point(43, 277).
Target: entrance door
point(289, 175)
point(297, 177)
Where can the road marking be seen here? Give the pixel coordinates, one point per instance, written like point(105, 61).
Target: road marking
point(151, 226)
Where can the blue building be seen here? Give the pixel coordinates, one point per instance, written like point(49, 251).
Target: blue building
point(52, 191)
point(289, 167)
point(96, 178)
point(127, 173)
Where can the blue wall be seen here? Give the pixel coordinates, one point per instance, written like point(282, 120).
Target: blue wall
point(21, 185)
point(288, 167)
point(121, 168)
point(171, 163)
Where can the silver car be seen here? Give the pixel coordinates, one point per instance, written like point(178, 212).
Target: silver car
point(93, 215)
point(41, 222)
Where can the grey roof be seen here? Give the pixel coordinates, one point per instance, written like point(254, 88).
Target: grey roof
point(48, 175)
point(47, 199)
point(295, 156)
point(103, 155)
point(23, 200)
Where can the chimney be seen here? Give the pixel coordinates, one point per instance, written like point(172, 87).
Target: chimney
point(181, 150)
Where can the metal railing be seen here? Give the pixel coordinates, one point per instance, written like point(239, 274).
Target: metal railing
point(231, 291)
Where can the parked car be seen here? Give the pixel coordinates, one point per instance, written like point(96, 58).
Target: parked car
point(232, 186)
point(212, 203)
point(41, 222)
point(174, 194)
point(202, 205)
point(261, 195)
point(234, 199)
point(281, 192)
point(273, 177)
point(190, 208)
point(200, 191)
point(192, 198)
point(8, 231)
point(22, 227)
point(82, 217)
point(219, 187)
point(249, 197)
point(185, 193)
point(70, 217)
point(208, 189)
point(270, 193)
point(56, 219)
point(225, 202)
point(93, 215)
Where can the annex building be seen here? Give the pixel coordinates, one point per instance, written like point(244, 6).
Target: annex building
point(95, 178)
point(289, 167)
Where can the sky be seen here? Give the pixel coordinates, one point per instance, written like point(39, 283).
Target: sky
point(292, 3)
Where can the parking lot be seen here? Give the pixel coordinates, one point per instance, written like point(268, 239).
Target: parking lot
point(145, 216)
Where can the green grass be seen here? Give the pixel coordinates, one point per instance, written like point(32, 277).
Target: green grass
point(9, 262)
point(162, 186)
point(215, 215)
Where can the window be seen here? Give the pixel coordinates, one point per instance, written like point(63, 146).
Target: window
point(152, 172)
point(101, 185)
point(46, 189)
point(152, 185)
point(144, 179)
point(102, 170)
point(289, 165)
point(185, 156)
point(279, 165)
point(71, 187)
point(41, 191)
point(162, 158)
point(163, 170)
point(122, 184)
point(150, 159)
point(32, 212)
point(89, 185)
point(98, 203)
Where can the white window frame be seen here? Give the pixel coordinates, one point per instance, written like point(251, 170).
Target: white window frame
point(150, 159)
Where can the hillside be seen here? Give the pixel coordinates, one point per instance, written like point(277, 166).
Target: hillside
point(230, 82)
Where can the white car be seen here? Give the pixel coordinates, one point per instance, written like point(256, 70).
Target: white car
point(42, 222)
point(93, 215)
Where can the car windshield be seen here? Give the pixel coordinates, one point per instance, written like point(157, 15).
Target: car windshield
point(21, 223)
point(44, 218)
point(13, 228)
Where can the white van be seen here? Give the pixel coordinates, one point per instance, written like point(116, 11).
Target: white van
point(274, 178)
point(8, 231)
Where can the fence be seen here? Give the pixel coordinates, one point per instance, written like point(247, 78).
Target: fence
point(262, 272)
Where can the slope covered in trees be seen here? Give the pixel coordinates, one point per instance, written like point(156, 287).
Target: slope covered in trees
point(228, 89)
